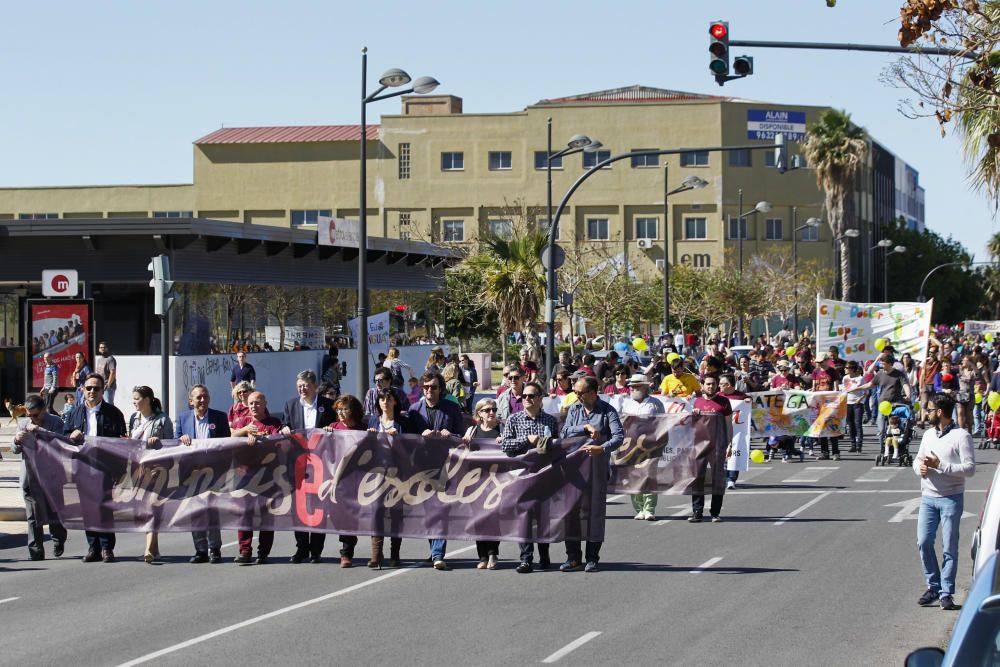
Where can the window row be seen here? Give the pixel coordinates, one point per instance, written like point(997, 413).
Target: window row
point(503, 160)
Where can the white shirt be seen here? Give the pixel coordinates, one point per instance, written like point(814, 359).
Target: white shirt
point(648, 406)
point(202, 428)
point(958, 461)
point(309, 413)
point(92, 419)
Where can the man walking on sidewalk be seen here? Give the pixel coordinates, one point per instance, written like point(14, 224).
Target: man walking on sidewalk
point(946, 457)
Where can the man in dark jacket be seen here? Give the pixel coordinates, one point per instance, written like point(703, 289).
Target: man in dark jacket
point(35, 507)
point(203, 423)
point(432, 415)
point(95, 417)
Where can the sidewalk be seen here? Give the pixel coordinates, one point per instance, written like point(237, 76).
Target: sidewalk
point(11, 500)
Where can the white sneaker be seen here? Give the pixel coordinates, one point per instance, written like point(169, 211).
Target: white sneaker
point(640, 516)
point(650, 516)
point(440, 565)
point(730, 484)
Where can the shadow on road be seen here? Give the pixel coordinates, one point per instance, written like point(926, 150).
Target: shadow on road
point(655, 567)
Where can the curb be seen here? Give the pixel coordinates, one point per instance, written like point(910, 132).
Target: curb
point(12, 514)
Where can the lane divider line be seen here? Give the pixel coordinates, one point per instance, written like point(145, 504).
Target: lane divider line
point(794, 513)
point(704, 566)
point(572, 646)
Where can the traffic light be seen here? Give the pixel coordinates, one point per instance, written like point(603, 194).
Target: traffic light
point(718, 46)
point(162, 284)
point(743, 65)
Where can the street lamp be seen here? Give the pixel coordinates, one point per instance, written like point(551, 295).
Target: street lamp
point(885, 270)
point(809, 223)
point(392, 78)
point(761, 207)
point(576, 144)
point(884, 243)
point(848, 234)
point(689, 183)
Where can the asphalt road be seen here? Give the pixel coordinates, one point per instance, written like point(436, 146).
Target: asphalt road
point(815, 563)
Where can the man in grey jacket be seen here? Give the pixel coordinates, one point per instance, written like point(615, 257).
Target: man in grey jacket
point(35, 509)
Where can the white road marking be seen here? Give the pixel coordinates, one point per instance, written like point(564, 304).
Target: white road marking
point(910, 511)
point(754, 472)
point(811, 474)
point(704, 566)
point(614, 498)
point(686, 510)
point(8, 600)
point(794, 513)
point(229, 544)
point(278, 612)
point(879, 474)
point(572, 646)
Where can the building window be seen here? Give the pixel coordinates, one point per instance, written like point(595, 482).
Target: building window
point(454, 230)
point(597, 229)
point(173, 214)
point(591, 159)
point(404, 219)
point(772, 229)
point(645, 228)
point(644, 161)
point(694, 159)
point(736, 230)
point(741, 158)
point(502, 228)
point(499, 160)
point(404, 235)
point(38, 216)
point(452, 161)
point(404, 162)
point(769, 159)
point(541, 161)
point(696, 228)
point(810, 234)
point(309, 216)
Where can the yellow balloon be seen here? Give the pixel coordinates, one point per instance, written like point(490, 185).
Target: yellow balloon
point(979, 398)
point(880, 344)
point(757, 456)
point(885, 408)
point(916, 406)
point(988, 337)
point(640, 345)
point(993, 400)
point(790, 351)
point(672, 357)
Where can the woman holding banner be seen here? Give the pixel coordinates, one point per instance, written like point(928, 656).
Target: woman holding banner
point(149, 424)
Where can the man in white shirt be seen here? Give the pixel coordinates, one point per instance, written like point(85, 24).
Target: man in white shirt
point(641, 404)
point(946, 457)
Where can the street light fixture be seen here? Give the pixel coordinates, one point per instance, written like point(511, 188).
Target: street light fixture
point(885, 270)
point(392, 78)
point(577, 143)
point(884, 243)
point(689, 183)
point(809, 223)
point(761, 207)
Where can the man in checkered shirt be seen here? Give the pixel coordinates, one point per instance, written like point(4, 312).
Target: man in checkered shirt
point(521, 432)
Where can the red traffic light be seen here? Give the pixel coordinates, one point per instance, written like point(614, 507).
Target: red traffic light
point(718, 30)
point(400, 309)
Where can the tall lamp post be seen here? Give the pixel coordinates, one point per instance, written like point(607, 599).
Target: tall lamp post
point(761, 207)
point(848, 234)
point(809, 223)
point(689, 183)
point(885, 270)
point(393, 78)
point(576, 144)
point(884, 243)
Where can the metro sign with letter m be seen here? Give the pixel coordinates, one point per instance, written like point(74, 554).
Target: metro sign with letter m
point(60, 282)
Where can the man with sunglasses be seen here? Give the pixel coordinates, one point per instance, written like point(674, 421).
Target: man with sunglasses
point(522, 432)
point(509, 402)
point(95, 417)
point(35, 507)
point(598, 421)
point(383, 380)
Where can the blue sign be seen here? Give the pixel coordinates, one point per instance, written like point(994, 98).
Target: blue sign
point(765, 123)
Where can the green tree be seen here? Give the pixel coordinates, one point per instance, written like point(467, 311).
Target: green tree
point(836, 148)
point(466, 315)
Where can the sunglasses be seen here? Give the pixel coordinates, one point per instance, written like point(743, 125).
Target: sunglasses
point(92, 387)
point(531, 396)
point(429, 387)
point(513, 377)
point(488, 410)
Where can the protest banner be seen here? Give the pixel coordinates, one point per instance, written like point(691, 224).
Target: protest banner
point(740, 447)
point(378, 334)
point(853, 328)
point(819, 414)
point(977, 327)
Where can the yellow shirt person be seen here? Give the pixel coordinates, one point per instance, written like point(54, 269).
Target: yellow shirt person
point(683, 386)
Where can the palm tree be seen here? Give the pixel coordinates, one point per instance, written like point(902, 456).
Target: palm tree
point(513, 278)
point(836, 147)
point(978, 117)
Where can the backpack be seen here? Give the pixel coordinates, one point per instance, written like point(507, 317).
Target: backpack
point(397, 376)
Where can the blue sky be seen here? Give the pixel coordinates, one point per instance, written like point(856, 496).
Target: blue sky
point(115, 92)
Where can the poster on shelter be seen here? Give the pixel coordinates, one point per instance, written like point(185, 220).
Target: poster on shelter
point(61, 329)
point(853, 328)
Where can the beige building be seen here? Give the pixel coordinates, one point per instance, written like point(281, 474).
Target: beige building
point(438, 174)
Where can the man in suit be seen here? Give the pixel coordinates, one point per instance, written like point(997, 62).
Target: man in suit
point(96, 418)
point(203, 423)
point(307, 410)
point(35, 507)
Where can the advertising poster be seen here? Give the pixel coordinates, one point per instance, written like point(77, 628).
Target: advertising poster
point(60, 328)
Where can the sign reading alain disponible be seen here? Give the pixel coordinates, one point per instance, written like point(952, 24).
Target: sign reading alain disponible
point(766, 123)
point(362, 483)
point(338, 231)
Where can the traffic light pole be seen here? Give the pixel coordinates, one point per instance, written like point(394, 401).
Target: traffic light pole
point(832, 46)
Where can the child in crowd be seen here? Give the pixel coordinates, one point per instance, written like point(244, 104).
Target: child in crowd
point(893, 436)
point(68, 408)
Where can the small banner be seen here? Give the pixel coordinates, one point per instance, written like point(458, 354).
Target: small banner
point(820, 414)
point(853, 328)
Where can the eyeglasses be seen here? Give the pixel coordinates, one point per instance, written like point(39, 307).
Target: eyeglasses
point(531, 396)
point(92, 387)
point(513, 378)
point(430, 387)
point(488, 410)
point(381, 378)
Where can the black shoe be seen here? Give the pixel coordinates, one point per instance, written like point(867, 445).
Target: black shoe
point(244, 559)
point(695, 518)
point(215, 556)
point(299, 556)
point(92, 557)
point(199, 557)
point(929, 597)
point(37, 555)
point(57, 549)
point(948, 603)
point(524, 567)
point(261, 559)
point(316, 559)
point(544, 564)
point(570, 566)
point(108, 556)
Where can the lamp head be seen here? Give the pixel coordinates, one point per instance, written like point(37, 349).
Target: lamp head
point(593, 146)
point(884, 243)
point(762, 206)
point(813, 222)
point(899, 248)
point(694, 182)
point(393, 78)
point(578, 141)
point(425, 84)
point(852, 233)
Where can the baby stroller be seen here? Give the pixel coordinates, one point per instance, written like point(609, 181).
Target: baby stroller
point(992, 431)
point(906, 420)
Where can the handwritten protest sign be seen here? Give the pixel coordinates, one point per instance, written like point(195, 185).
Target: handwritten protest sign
point(853, 328)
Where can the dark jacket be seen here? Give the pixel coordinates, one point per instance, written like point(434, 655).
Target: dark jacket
point(186, 424)
point(294, 418)
point(449, 417)
point(110, 420)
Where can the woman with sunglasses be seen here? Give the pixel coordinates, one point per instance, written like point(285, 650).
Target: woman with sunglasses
point(387, 422)
point(239, 410)
point(350, 417)
point(149, 424)
point(80, 373)
point(486, 427)
point(620, 386)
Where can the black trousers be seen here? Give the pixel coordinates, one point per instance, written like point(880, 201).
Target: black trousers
point(698, 504)
point(528, 552)
point(311, 543)
point(347, 544)
point(855, 419)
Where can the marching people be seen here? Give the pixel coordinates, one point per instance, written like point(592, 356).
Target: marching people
point(382, 377)
point(203, 423)
point(596, 419)
point(469, 378)
point(305, 411)
point(855, 410)
point(350, 417)
point(523, 431)
point(711, 402)
point(727, 389)
point(149, 424)
point(945, 458)
point(510, 402)
point(257, 423)
point(680, 383)
point(486, 426)
point(96, 417)
point(641, 404)
point(620, 386)
point(35, 506)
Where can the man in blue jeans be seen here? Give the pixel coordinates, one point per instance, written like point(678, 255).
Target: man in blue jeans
point(946, 457)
